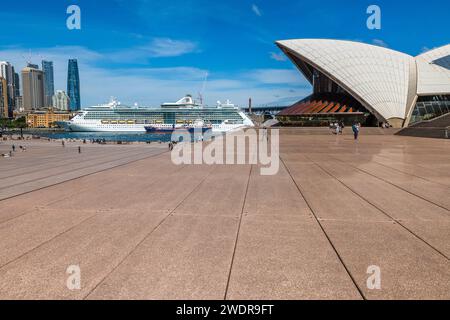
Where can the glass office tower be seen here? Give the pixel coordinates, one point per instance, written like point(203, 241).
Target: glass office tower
point(73, 85)
point(49, 84)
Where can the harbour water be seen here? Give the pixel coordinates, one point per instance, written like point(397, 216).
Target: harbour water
point(107, 136)
point(112, 136)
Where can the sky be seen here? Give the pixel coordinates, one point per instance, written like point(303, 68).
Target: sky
point(150, 51)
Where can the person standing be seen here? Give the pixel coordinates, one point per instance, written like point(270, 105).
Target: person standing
point(13, 147)
point(355, 129)
point(79, 149)
point(62, 143)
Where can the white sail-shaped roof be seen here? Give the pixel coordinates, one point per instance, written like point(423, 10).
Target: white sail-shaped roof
point(381, 79)
point(433, 71)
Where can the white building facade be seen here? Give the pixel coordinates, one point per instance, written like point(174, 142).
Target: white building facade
point(61, 101)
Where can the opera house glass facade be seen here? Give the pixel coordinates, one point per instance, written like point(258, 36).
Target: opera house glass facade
point(429, 107)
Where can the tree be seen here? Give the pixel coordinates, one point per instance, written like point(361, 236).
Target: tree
point(4, 123)
point(21, 123)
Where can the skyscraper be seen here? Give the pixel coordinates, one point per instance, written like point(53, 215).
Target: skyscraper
point(16, 85)
point(73, 85)
point(33, 88)
point(32, 65)
point(3, 98)
point(61, 101)
point(19, 103)
point(7, 72)
point(49, 84)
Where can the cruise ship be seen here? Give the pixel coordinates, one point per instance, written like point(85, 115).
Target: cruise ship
point(115, 117)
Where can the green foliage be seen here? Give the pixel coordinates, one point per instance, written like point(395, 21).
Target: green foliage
point(5, 123)
point(19, 123)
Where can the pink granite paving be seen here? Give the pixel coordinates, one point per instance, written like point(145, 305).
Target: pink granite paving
point(140, 227)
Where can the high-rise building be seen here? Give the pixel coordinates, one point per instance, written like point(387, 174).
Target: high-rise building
point(3, 98)
point(32, 65)
point(33, 89)
point(7, 72)
point(19, 104)
point(61, 101)
point(73, 85)
point(16, 85)
point(49, 84)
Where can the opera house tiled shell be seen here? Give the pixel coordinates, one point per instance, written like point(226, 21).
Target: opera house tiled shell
point(377, 84)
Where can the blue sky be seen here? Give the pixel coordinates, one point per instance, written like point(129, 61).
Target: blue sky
point(153, 51)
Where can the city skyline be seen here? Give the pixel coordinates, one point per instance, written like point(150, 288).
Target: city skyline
point(231, 44)
point(14, 87)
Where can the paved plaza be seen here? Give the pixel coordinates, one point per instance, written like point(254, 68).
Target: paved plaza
point(140, 227)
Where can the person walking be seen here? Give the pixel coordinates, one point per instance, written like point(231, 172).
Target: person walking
point(62, 143)
point(79, 149)
point(355, 129)
point(13, 147)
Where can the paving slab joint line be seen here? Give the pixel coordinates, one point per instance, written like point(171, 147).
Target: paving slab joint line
point(383, 212)
point(412, 164)
point(78, 169)
point(85, 175)
point(324, 232)
point(66, 197)
point(148, 234)
point(237, 233)
point(410, 174)
point(48, 240)
point(40, 167)
point(393, 184)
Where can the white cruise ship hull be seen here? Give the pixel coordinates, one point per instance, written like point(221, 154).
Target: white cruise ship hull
point(133, 128)
point(116, 118)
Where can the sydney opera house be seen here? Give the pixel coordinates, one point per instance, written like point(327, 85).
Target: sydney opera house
point(357, 82)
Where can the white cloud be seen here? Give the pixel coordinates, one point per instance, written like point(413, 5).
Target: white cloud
point(166, 47)
point(152, 86)
point(156, 48)
point(256, 10)
point(277, 56)
point(277, 76)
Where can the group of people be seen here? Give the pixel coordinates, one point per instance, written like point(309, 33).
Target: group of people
point(99, 141)
point(338, 127)
point(13, 149)
point(171, 145)
point(63, 144)
point(22, 148)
